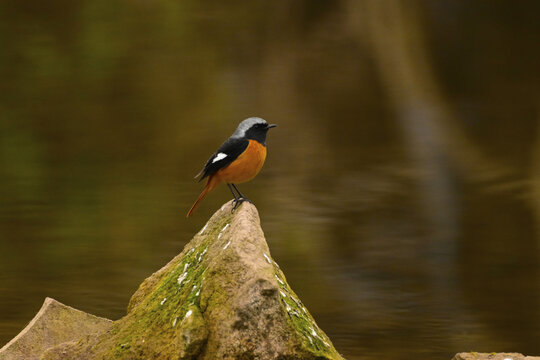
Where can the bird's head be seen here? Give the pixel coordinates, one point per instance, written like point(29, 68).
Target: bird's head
point(253, 128)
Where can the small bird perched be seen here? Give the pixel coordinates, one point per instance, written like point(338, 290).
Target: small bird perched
point(239, 159)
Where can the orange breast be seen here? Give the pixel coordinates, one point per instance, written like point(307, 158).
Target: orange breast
point(246, 166)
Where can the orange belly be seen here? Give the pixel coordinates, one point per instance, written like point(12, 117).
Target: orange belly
point(246, 166)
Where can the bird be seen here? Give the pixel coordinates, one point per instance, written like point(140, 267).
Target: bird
point(239, 159)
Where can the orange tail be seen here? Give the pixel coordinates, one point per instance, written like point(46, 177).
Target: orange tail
point(211, 184)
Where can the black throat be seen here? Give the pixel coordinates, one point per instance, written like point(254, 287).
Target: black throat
point(257, 134)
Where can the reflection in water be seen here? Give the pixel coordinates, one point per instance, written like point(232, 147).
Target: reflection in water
point(400, 192)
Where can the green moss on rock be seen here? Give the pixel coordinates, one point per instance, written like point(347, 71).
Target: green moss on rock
point(310, 335)
point(223, 297)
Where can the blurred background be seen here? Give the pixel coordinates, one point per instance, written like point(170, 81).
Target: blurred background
point(401, 193)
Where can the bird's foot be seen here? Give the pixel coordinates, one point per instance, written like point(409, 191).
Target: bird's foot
point(237, 202)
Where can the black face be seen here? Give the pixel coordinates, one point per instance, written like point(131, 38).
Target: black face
point(258, 132)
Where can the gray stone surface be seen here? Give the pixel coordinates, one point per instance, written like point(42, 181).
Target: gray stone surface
point(55, 323)
point(493, 356)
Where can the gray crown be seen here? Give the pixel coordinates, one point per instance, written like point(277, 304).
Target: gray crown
point(246, 124)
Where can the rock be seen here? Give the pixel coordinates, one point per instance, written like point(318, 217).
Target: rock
point(493, 356)
point(55, 323)
point(223, 297)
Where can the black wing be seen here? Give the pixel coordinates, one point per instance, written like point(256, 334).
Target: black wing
point(226, 154)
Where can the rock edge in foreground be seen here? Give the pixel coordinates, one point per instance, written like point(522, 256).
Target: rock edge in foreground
point(55, 323)
point(493, 356)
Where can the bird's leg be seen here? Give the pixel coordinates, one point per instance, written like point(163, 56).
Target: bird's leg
point(237, 200)
point(233, 193)
point(242, 197)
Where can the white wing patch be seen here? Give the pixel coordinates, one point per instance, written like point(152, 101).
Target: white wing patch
point(219, 156)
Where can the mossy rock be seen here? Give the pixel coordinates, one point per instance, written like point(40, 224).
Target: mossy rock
point(223, 297)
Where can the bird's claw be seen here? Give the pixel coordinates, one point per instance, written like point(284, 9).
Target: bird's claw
point(237, 202)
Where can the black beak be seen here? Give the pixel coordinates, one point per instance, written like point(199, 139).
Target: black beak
point(269, 126)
